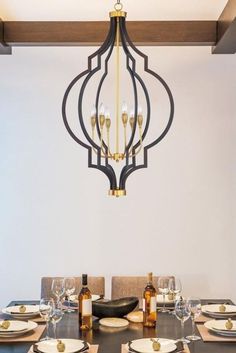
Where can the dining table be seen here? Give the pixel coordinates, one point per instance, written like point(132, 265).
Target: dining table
point(111, 339)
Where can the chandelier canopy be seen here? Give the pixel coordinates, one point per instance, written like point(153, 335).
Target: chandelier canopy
point(119, 138)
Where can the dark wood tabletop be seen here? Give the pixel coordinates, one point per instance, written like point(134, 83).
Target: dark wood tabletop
point(110, 340)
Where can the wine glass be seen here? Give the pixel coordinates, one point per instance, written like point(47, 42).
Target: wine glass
point(182, 312)
point(175, 288)
point(163, 288)
point(56, 316)
point(195, 310)
point(45, 309)
point(58, 288)
point(69, 285)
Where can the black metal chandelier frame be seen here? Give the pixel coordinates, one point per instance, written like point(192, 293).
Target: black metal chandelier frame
point(117, 188)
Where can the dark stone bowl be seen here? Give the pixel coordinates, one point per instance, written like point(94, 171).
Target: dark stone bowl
point(114, 308)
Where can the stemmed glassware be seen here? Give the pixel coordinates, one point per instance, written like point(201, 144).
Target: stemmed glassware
point(58, 288)
point(56, 316)
point(163, 288)
point(182, 312)
point(69, 284)
point(45, 309)
point(175, 288)
point(195, 310)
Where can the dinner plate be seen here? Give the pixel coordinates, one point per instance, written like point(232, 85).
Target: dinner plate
point(218, 327)
point(74, 298)
point(71, 346)
point(113, 322)
point(144, 345)
point(15, 326)
point(213, 311)
point(14, 311)
point(30, 326)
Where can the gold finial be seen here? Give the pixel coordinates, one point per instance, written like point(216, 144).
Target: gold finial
point(117, 192)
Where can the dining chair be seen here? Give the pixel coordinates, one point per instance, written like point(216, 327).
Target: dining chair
point(95, 284)
point(127, 286)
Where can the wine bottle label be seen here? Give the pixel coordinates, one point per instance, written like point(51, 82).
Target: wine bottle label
point(86, 307)
point(153, 304)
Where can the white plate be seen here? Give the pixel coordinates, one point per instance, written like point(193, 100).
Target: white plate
point(74, 298)
point(50, 346)
point(113, 322)
point(215, 309)
point(30, 326)
point(218, 326)
point(144, 345)
point(14, 326)
point(31, 311)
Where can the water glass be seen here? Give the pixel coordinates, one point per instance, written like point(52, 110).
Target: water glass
point(45, 309)
point(58, 288)
point(182, 312)
point(163, 288)
point(69, 284)
point(194, 304)
point(56, 316)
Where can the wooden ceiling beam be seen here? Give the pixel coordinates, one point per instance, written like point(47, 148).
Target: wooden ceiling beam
point(151, 33)
point(226, 30)
point(4, 49)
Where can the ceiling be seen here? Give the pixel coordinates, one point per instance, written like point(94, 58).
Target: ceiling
point(98, 9)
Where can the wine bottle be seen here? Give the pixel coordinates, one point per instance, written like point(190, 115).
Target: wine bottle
point(85, 305)
point(149, 304)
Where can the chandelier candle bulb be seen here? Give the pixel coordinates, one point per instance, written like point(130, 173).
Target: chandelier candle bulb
point(129, 142)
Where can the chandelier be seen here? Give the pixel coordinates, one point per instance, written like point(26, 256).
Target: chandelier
point(115, 142)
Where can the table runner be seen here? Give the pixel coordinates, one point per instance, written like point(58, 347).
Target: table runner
point(32, 336)
point(124, 350)
point(93, 349)
point(208, 336)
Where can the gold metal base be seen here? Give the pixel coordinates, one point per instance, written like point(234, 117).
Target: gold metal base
point(117, 192)
point(118, 14)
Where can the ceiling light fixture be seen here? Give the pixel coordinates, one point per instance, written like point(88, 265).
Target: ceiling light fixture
point(127, 131)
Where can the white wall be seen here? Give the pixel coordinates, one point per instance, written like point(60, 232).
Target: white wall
point(55, 215)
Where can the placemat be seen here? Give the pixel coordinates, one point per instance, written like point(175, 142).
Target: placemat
point(208, 336)
point(124, 350)
point(202, 318)
point(32, 336)
point(93, 349)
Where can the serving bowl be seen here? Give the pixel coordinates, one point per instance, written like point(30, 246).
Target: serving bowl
point(114, 308)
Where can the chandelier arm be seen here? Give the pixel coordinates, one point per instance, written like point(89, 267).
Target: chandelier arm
point(91, 72)
point(131, 72)
point(108, 171)
point(139, 79)
point(100, 87)
point(162, 81)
